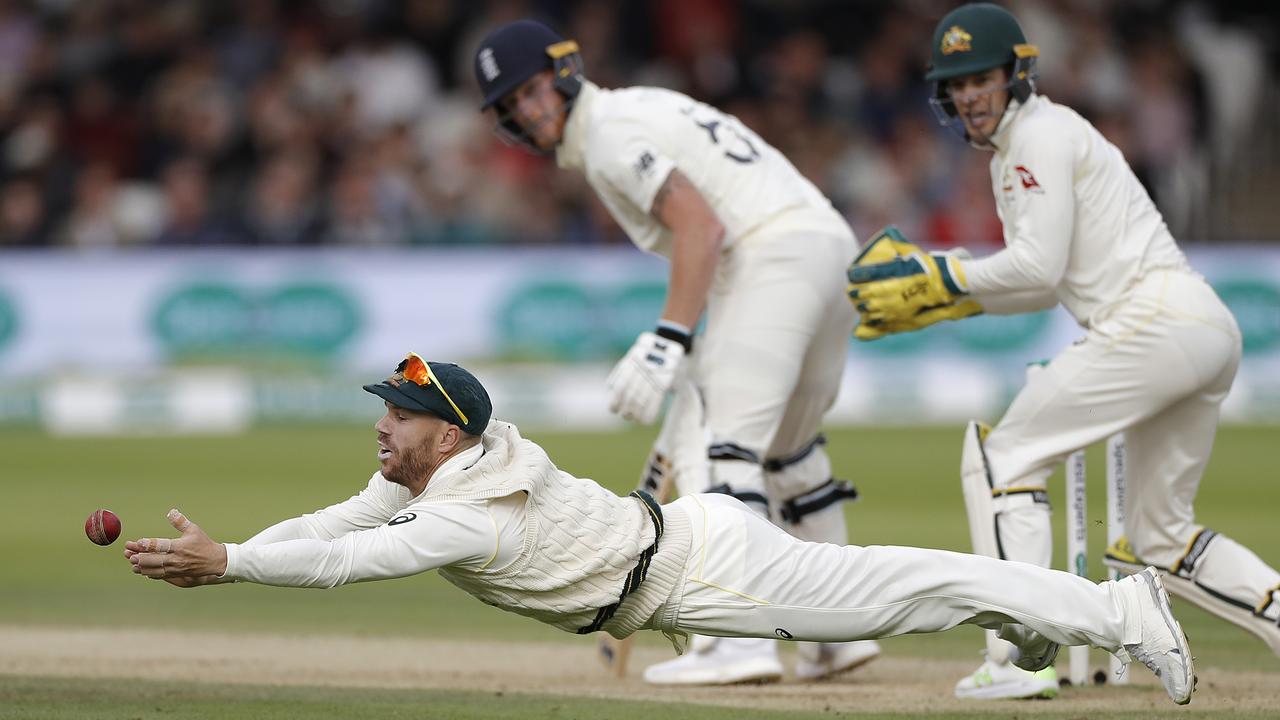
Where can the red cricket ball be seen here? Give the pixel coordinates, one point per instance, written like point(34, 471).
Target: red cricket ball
point(102, 527)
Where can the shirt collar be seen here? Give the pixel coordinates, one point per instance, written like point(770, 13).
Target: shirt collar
point(569, 154)
point(1001, 135)
point(457, 463)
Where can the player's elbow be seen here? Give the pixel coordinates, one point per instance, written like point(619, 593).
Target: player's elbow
point(1039, 275)
point(714, 232)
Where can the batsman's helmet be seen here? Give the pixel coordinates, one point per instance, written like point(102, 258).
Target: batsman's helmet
point(517, 51)
point(974, 38)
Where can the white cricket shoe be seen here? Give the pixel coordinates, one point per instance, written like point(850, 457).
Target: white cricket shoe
point(836, 658)
point(1004, 681)
point(1163, 647)
point(727, 661)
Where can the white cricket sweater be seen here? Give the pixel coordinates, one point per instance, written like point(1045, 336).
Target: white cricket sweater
point(578, 541)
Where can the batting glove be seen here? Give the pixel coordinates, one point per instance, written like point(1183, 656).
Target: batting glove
point(640, 381)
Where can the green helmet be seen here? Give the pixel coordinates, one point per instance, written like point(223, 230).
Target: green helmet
point(974, 38)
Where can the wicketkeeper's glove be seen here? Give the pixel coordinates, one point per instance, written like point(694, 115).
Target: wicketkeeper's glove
point(897, 287)
point(641, 379)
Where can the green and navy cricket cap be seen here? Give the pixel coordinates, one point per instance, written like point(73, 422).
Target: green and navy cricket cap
point(445, 390)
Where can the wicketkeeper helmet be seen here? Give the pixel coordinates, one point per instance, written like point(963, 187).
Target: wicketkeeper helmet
point(974, 38)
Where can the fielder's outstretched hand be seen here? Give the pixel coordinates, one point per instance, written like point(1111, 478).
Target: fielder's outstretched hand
point(187, 561)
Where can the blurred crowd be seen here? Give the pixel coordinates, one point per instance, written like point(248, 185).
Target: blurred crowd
point(279, 123)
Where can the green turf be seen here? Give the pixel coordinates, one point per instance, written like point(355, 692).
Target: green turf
point(233, 486)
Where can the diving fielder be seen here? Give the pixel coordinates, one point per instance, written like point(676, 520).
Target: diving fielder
point(1158, 356)
point(751, 243)
point(466, 495)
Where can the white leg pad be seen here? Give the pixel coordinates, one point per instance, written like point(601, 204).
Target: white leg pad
point(976, 482)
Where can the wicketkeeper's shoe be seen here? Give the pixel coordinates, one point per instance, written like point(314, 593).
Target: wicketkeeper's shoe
point(836, 658)
point(1163, 647)
point(1004, 681)
point(726, 662)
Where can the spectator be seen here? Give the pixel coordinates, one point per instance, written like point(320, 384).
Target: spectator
point(277, 102)
point(23, 221)
point(191, 220)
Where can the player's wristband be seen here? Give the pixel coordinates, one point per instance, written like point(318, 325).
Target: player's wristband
point(952, 274)
point(675, 333)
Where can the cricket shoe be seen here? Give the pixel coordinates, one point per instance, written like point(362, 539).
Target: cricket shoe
point(1163, 646)
point(1005, 681)
point(836, 658)
point(726, 662)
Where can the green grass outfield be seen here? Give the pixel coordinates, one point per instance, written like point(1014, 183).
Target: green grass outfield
point(233, 486)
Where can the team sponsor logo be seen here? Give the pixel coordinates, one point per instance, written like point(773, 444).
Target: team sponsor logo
point(783, 634)
point(955, 40)
point(215, 318)
point(1019, 176)
point(402, 519)
point(1029, 182)
point(1255, 301)
point(488, 65)
point(563, 319)
point(8, 320)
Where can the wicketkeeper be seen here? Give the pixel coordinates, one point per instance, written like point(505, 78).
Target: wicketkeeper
point(1158, 356)
point(466, 495)
point(757, 251)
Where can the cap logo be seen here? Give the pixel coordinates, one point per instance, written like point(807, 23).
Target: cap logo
point(488, 65)
point(955, 40)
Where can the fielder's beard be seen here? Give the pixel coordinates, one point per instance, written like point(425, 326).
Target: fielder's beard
point(407, 465)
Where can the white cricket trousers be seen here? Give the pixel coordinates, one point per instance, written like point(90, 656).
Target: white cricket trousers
point(747, 578)
point(769, 362)
point(1156, 367)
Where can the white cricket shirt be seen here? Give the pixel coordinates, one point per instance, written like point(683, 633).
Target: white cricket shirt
point(1076, 219)
point(627, 141)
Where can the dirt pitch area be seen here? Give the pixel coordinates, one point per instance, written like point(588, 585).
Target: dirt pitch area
point(904, 685)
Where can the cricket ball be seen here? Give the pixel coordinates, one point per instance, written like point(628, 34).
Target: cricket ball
point(102, 527)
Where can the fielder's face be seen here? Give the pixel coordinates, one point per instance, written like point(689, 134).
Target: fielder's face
point(538, 108)
point(980, 100)
point(408, 446)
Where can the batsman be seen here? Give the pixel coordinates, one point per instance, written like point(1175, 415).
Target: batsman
point(1158, 356)
point(757, 252)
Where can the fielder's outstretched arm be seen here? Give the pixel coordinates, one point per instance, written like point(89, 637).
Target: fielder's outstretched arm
point(369, 508)
point(420, 538)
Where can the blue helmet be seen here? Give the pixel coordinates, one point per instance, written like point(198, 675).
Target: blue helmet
point(515, 52)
